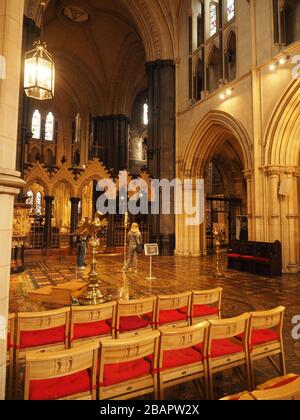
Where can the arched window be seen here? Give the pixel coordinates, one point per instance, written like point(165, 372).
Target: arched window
point(29, 199)
point(49, 127)
point(231, 58)
point(77, 128)
point(199, 80)
point(38, 203)
point(291, 29)
point(230, 9)
point(214, 69)
point(36, 125)
point(146, 114)
point(213, 18)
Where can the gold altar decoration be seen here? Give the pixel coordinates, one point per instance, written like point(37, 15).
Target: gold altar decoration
point(91, 229)
point(21, 221)
point(219, 237)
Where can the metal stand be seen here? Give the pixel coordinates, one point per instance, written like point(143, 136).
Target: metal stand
point(219, 237)
point(150, 276)
point(125, 240)
point(93, 295)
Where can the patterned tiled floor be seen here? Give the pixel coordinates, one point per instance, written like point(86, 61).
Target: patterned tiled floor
point(242, 292)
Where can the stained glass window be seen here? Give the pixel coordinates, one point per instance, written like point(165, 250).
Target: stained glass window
point(29, 199)
point(230, 10)
point(146, 117)
point(49, 127)
point(36, 125)
point(38, 203)
point(213, 18)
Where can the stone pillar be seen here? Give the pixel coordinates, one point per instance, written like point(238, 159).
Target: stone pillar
point(48, 221)
point(110, 141)
point(249, 175)
point(293, 218)
point(161, 149)
point(11, 21)
point(74, 217)
point(274, 204)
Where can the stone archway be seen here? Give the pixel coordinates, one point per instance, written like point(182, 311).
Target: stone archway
point(216, 130)
point(282, 177)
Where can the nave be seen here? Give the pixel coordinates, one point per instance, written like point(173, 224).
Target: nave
point(242, 293)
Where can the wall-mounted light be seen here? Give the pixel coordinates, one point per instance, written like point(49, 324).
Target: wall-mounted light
point(227, 94)
point(283, 60)
point(272, 66)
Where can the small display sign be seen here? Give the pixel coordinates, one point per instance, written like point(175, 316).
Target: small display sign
point(151, 250)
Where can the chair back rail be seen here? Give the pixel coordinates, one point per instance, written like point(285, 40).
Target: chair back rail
point(121, 351)
point(165, 302)
point(207, 297)
point(57, 364)
point(267, 319)
point(84, 314)
point(287, 392)
point(35, 321)
point(137, 307)
point(229, 328)
point(181, 338)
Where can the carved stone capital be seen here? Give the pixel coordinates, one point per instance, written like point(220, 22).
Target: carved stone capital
point(249, 174)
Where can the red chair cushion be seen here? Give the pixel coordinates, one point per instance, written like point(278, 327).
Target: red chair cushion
point(283, 383)
point(91, 329)
point(261, 336)
point(131, 323)
point(263, 260)
point(177, 358)
point(53, 389)
point(172, 315)
point(38, 338)
point(122, 372)
point(234, 255)
point(222, 347)
point(247, 257)
point(204, 310)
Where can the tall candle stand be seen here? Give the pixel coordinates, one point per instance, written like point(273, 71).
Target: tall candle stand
point(126, 224)
point(219, 237)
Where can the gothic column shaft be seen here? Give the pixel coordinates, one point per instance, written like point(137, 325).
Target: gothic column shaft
point(74, 217)
point(11, 23)
point(48, 221)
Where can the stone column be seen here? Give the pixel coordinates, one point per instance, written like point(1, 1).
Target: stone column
point(249, 175)
point(161, 156)
point(11, 21)
point(48, 221)
point(110, 142)
point(273, 174)
point(293, 218)
point(74, 217)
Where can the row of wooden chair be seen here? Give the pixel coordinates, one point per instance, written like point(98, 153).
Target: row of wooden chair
point(135, 366)
point(70, 327)
point(285, 388)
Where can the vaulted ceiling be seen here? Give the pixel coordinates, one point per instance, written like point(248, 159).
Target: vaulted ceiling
point(100, 47)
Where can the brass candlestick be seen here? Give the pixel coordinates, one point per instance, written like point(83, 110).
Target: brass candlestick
point(219, 237)
point(93, 295)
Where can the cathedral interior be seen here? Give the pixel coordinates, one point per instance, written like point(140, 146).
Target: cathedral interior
point(128, 92)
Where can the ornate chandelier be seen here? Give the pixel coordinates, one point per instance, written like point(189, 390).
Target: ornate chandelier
point(39, 73)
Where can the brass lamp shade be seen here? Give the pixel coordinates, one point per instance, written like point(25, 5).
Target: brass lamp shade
point(39, 73)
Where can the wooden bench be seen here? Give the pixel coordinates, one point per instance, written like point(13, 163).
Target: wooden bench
point(262, 258)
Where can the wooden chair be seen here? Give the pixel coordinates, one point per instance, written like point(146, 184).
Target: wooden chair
point(206, 304)
point(91, 322)
point(41, 330)
point(243, 396)
point(63, 375)
point(173, 310)
point(128, 368)
point(130, 321)
point(265, 339)
point(224, 351)
point(10, 352)
point(179, 361)
point(279, 389)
